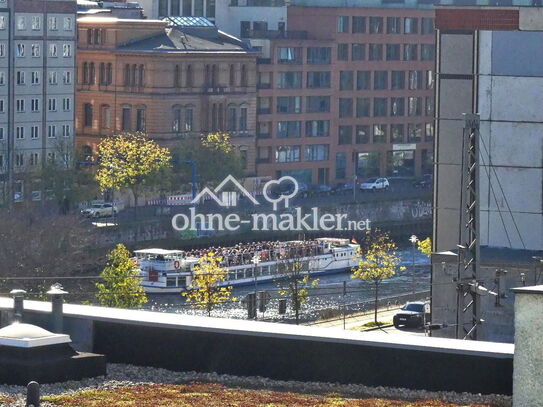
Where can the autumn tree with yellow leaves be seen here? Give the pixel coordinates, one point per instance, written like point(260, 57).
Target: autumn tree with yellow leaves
point(378, 261)
point(205, 290)
point(425, 246)
point(130, 160)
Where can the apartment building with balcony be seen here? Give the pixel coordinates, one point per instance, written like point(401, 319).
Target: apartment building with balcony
point(37, 70)
point(348, 92)
point(171, 79)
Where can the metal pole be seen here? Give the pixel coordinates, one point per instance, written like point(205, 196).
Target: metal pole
point(344, 305)
point(413, 272)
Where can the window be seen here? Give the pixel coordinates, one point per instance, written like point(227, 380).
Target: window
point(316, 152)
point(52, 25)
point(414, 133)
point(2, 78)
point(427, 25)
point(319, 55)
point(176, 123)
point(51, 157)
point(318, 79)
point(141, 76)
point(52, 50)
point(53, 80)
point(162, 8)
point(415, 80)
point(2, 22)
point(286, 154)
point(34, 132)
point(287, 129)
point(376, 52)
point(359, 25)
point(188, 118)
point(394, 25)
point(362, 135)
point(380, 80)
point(376, 25)
point(358, 52)
point(429, 106)
point(2, 50)
point(52, 105)
point(341, 165)
point(343, 24)
point(232, 118)
point(140, 119)
point(66, 50)
point(19, 160)
point(379, 107)
point(68, 24)
point(20, 103)
point(36, 22)
point(379, 133)
point(317, 128)
point(20, 133)
point(429, 80)
point(362, 107)
point(189, 80)
point(106, 117)
point(1, 135)
point(396, 133)
point(429, 132)
point(345, 107)
point(21, 23)
point(345, 135)
point(397, 106)
point(87, 115)
point(66, 104)
point(2, 106)
point(52, 131)
point(35, 50)
point(316, 104)
point(243, 118)
point(410, 25)
point(346, 80)
point(20, 78)
point(20, 52)
point(414, 106)
point(126, 124)
point(397, 80)
point(410, 52)
point(289, 80)
point(363, 80)
point(427, 52)
point(393, 52)
point(34, 158)
point(35, 78)
point(289, 55)
point(343, 52)
point(35, 105)
point(289, 104)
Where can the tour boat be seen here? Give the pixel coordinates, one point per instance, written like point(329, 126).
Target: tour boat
point(171, 271)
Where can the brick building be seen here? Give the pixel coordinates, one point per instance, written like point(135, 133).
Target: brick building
point(37, 58)
point(172, 80)
point(345, 91)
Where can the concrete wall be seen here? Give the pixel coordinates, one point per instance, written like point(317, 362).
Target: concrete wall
point(282, 351)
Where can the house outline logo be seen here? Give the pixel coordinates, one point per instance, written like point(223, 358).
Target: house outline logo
point(228, 198)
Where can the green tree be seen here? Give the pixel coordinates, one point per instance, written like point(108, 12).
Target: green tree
point(130, 160)
point(121, 287)
point(425, 246)
point(377, 262)
point(214, 155)
point(296, 283)
point(205, 290)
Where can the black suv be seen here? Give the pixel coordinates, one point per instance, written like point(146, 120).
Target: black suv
point(411, 314)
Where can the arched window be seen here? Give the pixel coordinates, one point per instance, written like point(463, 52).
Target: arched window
point(85, 73)
point(232, 75)
point(87, 119)
point(141, 76)
point(140, 118)
point(189, 80)
point(231, 118)
point(133, 75)
point(86, 152)
point(127, 75)
point(243, 75)
point(243, 117)
point(109, 74)
point(92, 74)
point(106, 117)
point(176, 120)
point(126, 118)
point(189, 120)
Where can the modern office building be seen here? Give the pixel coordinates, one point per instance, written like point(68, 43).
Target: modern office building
point(490, 63)
point(345, 91)
point(157, 9)
point(170, 79)
point(37, 74)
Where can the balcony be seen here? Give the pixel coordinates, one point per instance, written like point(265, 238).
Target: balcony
point(274, 34)
point(257, 3)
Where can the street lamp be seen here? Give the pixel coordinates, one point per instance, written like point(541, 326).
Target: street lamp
point(413, 239)
point(255, 260)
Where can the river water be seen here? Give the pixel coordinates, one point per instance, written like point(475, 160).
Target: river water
point(328, 294)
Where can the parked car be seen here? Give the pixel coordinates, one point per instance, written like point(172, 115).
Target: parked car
point(319, 190)
point(100, 210)
point(413, 314)
point(375, 184)
point(425, 182)
point(343, 188)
